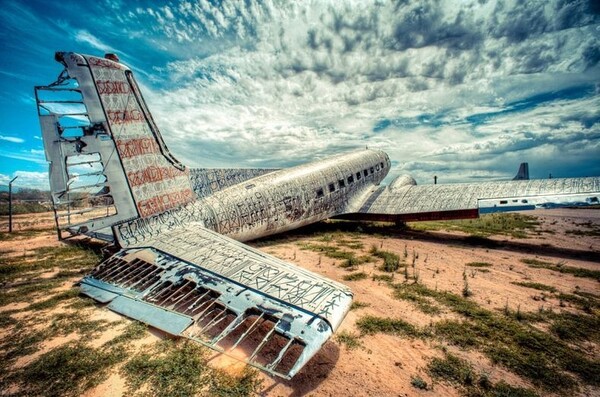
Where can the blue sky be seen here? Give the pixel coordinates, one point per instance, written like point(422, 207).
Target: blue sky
point(465, 90)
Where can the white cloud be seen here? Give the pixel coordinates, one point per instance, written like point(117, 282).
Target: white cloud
point(12, 139)
point(30, 179)
point(83, 36)
point(31, 155)
point(273, 84)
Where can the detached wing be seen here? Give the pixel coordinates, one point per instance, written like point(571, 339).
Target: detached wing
point(468, 200)
point(199, 284)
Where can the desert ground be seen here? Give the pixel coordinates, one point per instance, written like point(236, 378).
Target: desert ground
point(506, 305)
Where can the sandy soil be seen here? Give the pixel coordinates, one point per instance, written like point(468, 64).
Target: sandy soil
point(384, 365)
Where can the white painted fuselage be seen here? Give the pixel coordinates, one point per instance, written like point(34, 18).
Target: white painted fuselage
point(287, 199)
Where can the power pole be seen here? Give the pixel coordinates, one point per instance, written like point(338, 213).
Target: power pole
point(10, 204)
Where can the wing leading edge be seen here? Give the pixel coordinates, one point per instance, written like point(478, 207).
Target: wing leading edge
point(409, 202)
point(198, 284)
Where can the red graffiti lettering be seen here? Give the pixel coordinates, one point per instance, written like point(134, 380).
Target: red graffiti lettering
point(124, 116)
point(137, 147)
point(164, 202)
point(108, 87)
point(104, 63)
point(153, 174)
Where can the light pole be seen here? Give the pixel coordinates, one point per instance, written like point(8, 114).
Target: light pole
point(10, 204)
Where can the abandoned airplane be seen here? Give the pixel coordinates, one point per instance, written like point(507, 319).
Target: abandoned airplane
point(181, 266)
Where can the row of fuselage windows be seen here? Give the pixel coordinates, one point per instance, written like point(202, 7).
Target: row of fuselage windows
point(342, 183)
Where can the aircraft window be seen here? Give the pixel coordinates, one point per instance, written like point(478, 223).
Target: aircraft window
point(331, 188)
point(381, 165)
point(524, 201)
point(351, 179)
point(358, 175)
point(342, 183)
point(515, 201)
point(365, 172)
point(372, 170)
point(320, 193)
point(503, 202)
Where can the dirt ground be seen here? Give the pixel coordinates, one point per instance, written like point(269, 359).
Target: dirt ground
point(385, 364)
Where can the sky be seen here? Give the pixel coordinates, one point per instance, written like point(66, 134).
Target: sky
point(465, 90)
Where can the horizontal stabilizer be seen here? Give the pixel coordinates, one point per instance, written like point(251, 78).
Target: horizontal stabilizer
point(266, 312)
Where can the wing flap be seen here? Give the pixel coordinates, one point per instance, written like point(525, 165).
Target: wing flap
point(156, 316)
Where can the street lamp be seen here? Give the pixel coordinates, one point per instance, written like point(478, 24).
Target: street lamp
point(10, 204)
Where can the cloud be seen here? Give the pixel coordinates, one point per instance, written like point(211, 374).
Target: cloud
point(30, 179)
point(12, 139)
point(470, 88)
point(83, 36)
point(31, 155)
point(418, 79)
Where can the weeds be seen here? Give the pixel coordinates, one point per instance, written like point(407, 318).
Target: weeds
point(355, 276)
point(391, 261)
point(417, 382)
point(170, 370)
point(383, 277)
point(135, 330)
point(225, 385)
point(176, 369)
point(355, 245)
point(68, 370)
point(538, 286)
point(452, 369)
point(561, 268)
point(416, 293)
point(460, 372)
point(349, 339)
point(358, 305)
point(585, 302)
point(576, 327)
point(478, 264)
point(523, 349)
point(515, 225)
point(466, 291)
point(370, 325)
point(65, 323)
point(66, 257)
point(54, 300)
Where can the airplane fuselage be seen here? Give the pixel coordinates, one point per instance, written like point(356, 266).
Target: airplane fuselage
point(287, 199)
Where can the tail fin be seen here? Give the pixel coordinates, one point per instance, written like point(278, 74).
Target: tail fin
point(108, 162)
point(523, 173)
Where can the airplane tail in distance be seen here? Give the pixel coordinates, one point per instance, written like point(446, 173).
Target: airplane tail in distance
point(108, 161)
point(523, 173)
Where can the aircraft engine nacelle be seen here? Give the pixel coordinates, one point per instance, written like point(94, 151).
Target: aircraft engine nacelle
point(402, 181)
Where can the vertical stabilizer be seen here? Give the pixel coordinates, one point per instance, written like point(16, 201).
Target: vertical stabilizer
point(104, 147)
point(523, 173)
